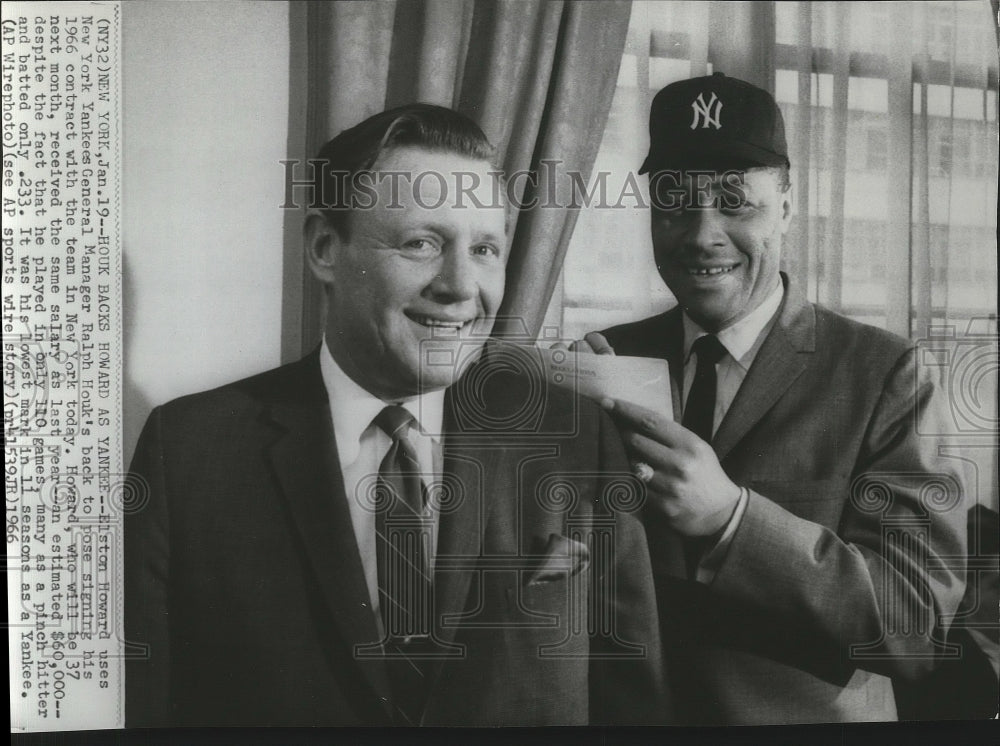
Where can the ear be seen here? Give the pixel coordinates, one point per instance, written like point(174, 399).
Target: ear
point(322, 245)
point(787, 208)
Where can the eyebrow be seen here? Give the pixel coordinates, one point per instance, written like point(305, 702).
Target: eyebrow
point(490, 237)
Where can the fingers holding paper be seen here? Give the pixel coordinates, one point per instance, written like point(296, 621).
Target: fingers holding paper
point(681, 471)
point(592, 343)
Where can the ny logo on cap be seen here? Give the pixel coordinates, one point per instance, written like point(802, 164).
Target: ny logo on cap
point(704, 112)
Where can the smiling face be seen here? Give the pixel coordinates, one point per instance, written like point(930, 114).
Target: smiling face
point(721, 261)
point(414, 286)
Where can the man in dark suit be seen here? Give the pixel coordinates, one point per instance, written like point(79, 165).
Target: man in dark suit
point(807, 529)
point(389, 531)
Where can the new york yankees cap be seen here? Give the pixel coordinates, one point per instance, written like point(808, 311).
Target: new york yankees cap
point(715, 122)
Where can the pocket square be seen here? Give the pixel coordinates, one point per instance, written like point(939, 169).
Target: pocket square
point(562, 558)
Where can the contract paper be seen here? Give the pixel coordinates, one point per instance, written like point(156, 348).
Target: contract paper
point(637, 380)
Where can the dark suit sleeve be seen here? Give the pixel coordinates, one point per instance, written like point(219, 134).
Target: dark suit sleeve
point(626, 688)
point(147, 561)
point(878, 592)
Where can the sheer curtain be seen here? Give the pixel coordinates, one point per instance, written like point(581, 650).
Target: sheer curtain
point(894, 142)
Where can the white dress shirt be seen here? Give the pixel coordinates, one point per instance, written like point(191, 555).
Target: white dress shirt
point(361, 446)
point(742, 341)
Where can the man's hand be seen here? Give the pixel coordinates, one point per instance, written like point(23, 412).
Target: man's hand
point(681, 471)
point(592, 342)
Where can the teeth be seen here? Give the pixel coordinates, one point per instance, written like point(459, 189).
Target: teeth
point(427, 321)
point(710, 271)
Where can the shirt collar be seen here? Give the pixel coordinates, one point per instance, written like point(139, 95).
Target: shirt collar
point(743, 339)
point(353, 408)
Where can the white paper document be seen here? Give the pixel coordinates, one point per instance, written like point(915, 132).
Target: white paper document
point(639, 380)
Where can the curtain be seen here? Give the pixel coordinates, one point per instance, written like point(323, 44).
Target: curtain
point(538, 77)
point(894, 153)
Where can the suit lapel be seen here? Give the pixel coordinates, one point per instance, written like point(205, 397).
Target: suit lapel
point(667, 554)
point(470, 461)
point(781, 360)
point(305, 462)
point(674, 353)
point(461, 530)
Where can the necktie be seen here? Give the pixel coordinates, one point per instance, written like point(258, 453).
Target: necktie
point(403, 547)
point(699, 409)
point(699, 416)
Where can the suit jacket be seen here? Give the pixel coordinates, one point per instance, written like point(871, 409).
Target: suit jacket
point(245, 599)
point(850, 557)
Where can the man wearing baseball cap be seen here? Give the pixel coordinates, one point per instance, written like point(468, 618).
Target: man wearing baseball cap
point(802, 565)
